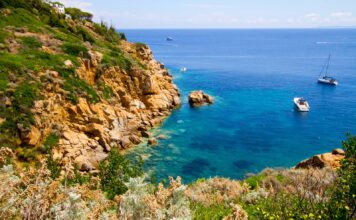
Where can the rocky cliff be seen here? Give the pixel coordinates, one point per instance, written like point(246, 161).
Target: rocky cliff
point(85, 86)
point(140, 100)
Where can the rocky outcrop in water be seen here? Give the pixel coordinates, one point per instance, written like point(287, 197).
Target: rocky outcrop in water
point(198, 98)
point(329, 160)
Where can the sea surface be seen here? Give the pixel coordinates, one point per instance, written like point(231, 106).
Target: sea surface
point(253, 76)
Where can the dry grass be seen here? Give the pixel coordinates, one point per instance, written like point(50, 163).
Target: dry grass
point(216, 191)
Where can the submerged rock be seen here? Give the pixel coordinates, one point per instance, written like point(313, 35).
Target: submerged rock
point(331, 160)
point(198, 98)
point(152, 141)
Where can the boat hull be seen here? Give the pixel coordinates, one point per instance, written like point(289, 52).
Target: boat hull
point(299, 107)
point(328, 82)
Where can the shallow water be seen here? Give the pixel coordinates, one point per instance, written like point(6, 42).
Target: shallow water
point(254, 76)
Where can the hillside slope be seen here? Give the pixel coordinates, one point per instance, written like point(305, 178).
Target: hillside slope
point(75, 83)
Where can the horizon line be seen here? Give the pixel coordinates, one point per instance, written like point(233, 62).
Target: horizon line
point(236, 28)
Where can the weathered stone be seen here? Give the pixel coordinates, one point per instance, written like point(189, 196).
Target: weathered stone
point(152, 141)
point(145, 134)
point(197, 98)
point(322, 160)
point(338, 151)
point(135, 139)
point(33, 137)
point(125, 142)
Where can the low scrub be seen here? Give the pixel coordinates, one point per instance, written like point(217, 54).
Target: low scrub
point(115, 172)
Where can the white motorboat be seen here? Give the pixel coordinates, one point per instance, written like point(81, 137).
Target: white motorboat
point(169, 39)
point(301, 104)
point(324, 78)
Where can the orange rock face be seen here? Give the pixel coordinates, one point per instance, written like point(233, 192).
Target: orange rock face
point(330, 160)
point(140, 99)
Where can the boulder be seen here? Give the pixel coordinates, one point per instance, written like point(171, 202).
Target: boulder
point(330, 160)
point(152, 141)
point(338, 151)
point(198, 98)
point(68, 63)
point(33, 137)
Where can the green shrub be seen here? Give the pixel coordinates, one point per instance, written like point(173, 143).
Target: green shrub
point(3, 81)
point(3, 36)
point(254, 181)
point(343, 202)
point(75, 49)
point(26, 153)
point(11, 63)
point(51, 141)
point(122, 36)
point(25, 94)
point(78, 14)
point(115, 58)
point(109, 33)
point(86, 36)
point(201, 211)
point(78, 178)
point(115, 172)
point(54, 167)
point(31, 43)
point(77, 87)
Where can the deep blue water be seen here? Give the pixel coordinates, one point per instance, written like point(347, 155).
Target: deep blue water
point(253, 75)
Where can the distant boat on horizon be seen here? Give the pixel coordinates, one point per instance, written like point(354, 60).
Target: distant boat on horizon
point(183, 69)
point(323, 76)
point(169, 39)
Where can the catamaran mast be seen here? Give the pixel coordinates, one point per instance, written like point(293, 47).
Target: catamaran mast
point(327, 66)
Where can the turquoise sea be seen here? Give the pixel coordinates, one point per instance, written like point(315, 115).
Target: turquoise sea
point(253, 75)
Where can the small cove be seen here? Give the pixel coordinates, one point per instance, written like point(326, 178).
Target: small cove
point(253, 75)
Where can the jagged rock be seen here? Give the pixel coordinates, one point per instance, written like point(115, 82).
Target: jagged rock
point(152, 141)
point(135, 139)
point(83, 163)
point(331, 160)
point(338, 151)
point(125, 142)
point(197, 98)
point(33, 136)
point(145, 134)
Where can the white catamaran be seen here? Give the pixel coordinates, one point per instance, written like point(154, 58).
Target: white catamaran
point(324, 78)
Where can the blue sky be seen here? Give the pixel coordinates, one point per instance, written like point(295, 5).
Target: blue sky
point(127, 14)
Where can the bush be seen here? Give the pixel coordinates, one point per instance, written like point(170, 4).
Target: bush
point(86, 36)
point(75, 49)
point(78, 178)
point(51, 141)
point(343, 202)
point(201, 211)
point(78, 14)
point(115, 172)
point(109, 33)
point(54, 167)
point(31, 43)
point(3, 81)
point(116, 58)
point(25, 94)
point(254, 181)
